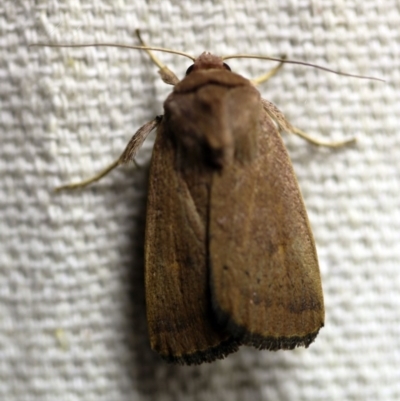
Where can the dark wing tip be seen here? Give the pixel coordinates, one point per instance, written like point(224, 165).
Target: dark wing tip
point(276, 343)
point(271, 343)
point(262, 342)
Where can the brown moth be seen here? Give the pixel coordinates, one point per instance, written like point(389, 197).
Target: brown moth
point(230, 257)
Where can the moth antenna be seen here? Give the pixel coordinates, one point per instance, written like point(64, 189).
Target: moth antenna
point(160, 49)
point(302, 63)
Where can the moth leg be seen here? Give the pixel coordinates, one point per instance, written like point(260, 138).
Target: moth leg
point(284, 125)
point(269, 74)
point(128, 155)
point(166, 74)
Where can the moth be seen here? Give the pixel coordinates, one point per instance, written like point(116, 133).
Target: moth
point(230, 257)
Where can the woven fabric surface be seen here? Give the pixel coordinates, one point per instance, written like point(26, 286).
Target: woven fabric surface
point(72, 306)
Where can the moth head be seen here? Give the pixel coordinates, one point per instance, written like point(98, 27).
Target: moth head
point(208, 61)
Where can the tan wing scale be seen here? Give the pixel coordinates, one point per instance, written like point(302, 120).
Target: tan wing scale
point(265, 278)
point(181, 322)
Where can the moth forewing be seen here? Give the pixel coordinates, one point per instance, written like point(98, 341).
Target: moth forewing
point(265, 277)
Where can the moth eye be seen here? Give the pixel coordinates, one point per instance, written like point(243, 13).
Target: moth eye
point(189, 70)
point(226, 66)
